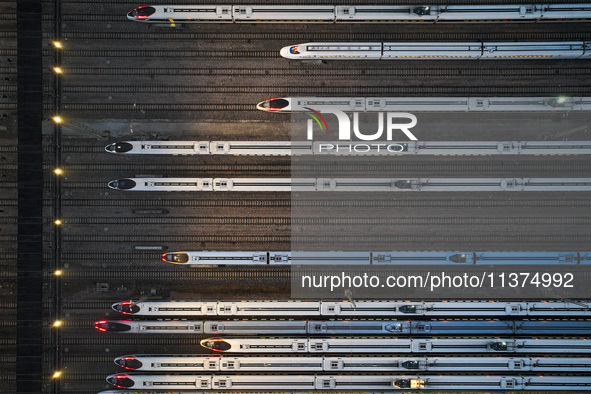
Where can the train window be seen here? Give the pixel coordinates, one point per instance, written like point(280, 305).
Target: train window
point(334, 365)
point(423, 346)
point(294, 50)
point(422, 10)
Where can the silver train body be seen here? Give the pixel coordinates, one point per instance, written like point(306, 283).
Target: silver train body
point(349, 184)
point(343, 148)
point(438, 50)
point(196, 363)
point(358, 327)
point(359, 309)
point(362, 13)
point(429, 104)
point(217, 258)
point(352, 382)
point(370, 345)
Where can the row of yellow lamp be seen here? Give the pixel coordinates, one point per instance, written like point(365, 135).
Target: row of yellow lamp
point(58, 171)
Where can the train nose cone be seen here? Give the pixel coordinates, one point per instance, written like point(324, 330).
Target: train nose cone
point(130, 16)
point(216, 344)
point(128, 362)
point(263, 105)
point(122, 184)
point(285, 52)
point(120, 381)
point(126, 307)
point(119, 147)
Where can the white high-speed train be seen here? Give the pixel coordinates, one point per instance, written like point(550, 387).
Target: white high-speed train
point(359, 309)
point(217, 258)
point(430, 104)
point(346, 148)
point(194, 363)
point(438, 50)
point(349, 184)
point(349, 327)
point(352, 382)
point(369, 345)
point(360, 13)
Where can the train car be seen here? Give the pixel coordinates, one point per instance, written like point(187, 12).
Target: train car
point(162, 184)
point(196, 363)
point(350, 184)
point(256, 327)
point(150, 327)
point(160, 147)
point(258, 381)
point(344, 148)
point(385, 13)
point(356, 327)
point(334, 51)
point(437, 50)
point(265, 258)
point(211, 184)
point(283, 13)
point(349, 310)
point(207, 258)
point(359, 13)
point(533, 50)
point(528, 258)
point(396, 345)
point(181, 13)
point(350, 382)
point(429, 104)
point(208, 147)
point(265, 308)
point(217, 258)
point(430, 50)
point(452, 148)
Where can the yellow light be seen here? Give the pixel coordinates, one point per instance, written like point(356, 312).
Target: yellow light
point(57, 44)
point(57, 222)
point(56, 374)
point(57, 119)
point(57, 70)
point(57, 323)
point(58, 171)
point(57, 272)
